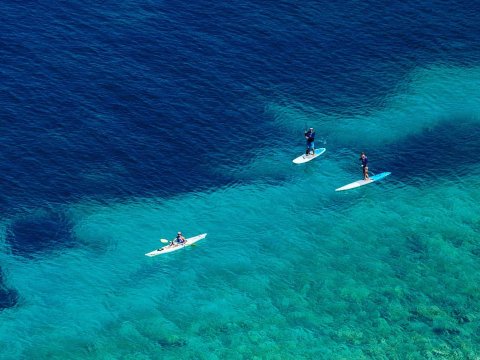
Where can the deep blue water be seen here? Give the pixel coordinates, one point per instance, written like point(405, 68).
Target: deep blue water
point(124, 92)
point(110, 101)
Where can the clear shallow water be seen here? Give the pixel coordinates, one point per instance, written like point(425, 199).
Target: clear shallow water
point(95, 173)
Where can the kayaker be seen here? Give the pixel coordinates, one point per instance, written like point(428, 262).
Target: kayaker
point(179, 240)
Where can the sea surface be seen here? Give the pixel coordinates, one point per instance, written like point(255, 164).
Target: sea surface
point(122, 123)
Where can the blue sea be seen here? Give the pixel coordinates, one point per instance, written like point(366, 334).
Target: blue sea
point(122, 123)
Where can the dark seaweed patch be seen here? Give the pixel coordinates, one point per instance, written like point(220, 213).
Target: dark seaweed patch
point(8, 297)
point(35, 234)
point(446, 150)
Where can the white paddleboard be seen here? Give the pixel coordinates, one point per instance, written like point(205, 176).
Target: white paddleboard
point(306, 158)
point(169, 248)
point(364, 182)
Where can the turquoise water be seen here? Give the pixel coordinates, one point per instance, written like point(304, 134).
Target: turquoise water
point(289, 269)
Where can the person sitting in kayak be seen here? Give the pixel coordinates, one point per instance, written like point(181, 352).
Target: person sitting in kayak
point(310, 137)
point(364, 160)
point(179, 240)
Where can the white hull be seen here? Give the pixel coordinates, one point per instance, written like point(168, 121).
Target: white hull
point(170, 248)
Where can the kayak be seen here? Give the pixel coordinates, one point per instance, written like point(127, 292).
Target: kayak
point(170, 248)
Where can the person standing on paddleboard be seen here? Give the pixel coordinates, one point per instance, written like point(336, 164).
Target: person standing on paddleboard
point(364, 160)
point(310, 137)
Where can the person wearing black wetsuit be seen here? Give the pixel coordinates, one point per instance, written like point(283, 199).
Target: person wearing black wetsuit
point(310, 137)
point(364, 160)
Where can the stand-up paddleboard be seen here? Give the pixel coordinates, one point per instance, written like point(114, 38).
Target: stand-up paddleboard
point(364, 182)
point(169, 248)
point(306, 158)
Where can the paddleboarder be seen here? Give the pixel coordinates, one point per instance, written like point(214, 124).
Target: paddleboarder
point(310, 137)
point(364, 160)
